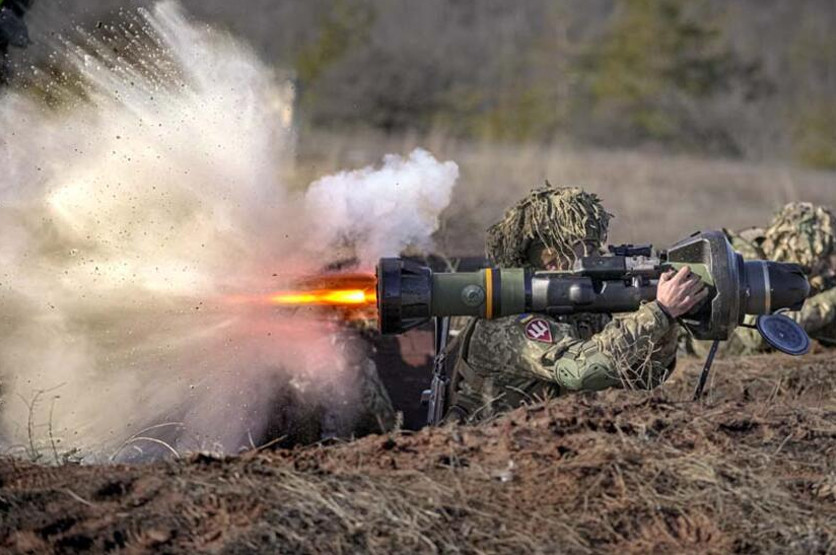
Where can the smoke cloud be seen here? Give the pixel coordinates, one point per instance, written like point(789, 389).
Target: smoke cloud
point(384, 210)
point(142, 194)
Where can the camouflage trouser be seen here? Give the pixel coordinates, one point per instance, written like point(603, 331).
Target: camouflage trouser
point(355, 403)
point(376, 412)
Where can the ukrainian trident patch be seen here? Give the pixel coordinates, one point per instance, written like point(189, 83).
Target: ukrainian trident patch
point(539, 330)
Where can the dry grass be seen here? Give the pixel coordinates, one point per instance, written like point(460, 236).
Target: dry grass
point(655, 197)
point(751, 469)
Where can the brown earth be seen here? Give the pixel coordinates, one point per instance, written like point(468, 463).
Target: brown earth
point(750, 469)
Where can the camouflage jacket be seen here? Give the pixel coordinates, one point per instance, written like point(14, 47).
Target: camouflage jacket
point(498, 364)
point(817, 316)
point(747, 242)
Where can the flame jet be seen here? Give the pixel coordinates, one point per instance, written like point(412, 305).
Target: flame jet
point(350, 297)
point(337, 290)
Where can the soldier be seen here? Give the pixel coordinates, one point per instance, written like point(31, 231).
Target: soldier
point(498, 364)
point(364, 407)
point(804, 234)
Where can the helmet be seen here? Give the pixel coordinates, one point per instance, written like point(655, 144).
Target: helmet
point(803, 233)
point(556, 217)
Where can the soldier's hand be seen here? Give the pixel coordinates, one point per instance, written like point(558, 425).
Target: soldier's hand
point(679, 292)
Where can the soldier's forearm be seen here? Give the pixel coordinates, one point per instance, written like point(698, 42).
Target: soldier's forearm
point(634, 338)
point(622, 355)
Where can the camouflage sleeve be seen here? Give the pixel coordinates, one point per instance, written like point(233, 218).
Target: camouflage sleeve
point(635, 351)
point(747, 242)
point(818, 312)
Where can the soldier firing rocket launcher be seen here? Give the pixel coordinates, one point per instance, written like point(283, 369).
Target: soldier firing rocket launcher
point(409, 295)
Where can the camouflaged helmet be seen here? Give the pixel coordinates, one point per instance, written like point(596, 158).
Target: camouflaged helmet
point(802, 233)
point(557, 217)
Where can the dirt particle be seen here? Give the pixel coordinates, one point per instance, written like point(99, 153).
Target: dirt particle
point(113, 489)
point(79, 542)
point(57, 527)
point(738, 425)
point(452, 461)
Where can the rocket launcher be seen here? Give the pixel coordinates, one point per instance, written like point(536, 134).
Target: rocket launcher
point(409, 294)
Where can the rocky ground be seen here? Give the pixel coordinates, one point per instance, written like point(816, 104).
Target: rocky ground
point(750, 469)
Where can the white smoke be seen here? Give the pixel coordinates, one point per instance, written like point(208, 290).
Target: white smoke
point(383, 210)
point(134, 207)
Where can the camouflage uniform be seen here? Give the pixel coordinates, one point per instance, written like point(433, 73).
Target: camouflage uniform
point(376, 415)
point(800, 233)
point(373, 412)
point(805, 234)
point(748, 242)
point(358, 403)
point(498, 364)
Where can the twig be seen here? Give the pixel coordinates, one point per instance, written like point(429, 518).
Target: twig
point(77, 497)
point(30, 423)
point(262, 447)
point(786, 439)
point(142, 431)
point(33, 451)
point(51, 435)
point(152, 440)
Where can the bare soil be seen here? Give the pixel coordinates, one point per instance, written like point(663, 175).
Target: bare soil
point(750, 469)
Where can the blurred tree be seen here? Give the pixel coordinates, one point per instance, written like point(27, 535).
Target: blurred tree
point(428, 64)
point(754, 78)
point(814, 136)
point(653, 66)
point(812, 89)
point(343, 26)
point(525, 97)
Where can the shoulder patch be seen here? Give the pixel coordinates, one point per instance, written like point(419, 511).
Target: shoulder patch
point(539, 330)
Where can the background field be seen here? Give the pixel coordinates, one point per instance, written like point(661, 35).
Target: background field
point(655, 197)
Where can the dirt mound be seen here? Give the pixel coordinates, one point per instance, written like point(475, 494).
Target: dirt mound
point(750, 469)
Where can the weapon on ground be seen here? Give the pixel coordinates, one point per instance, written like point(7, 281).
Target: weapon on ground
point(437, 393)
point(409, 294)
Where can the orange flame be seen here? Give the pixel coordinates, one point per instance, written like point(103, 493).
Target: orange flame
point(348, 297)
point(352, 297)
point(326, 297)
